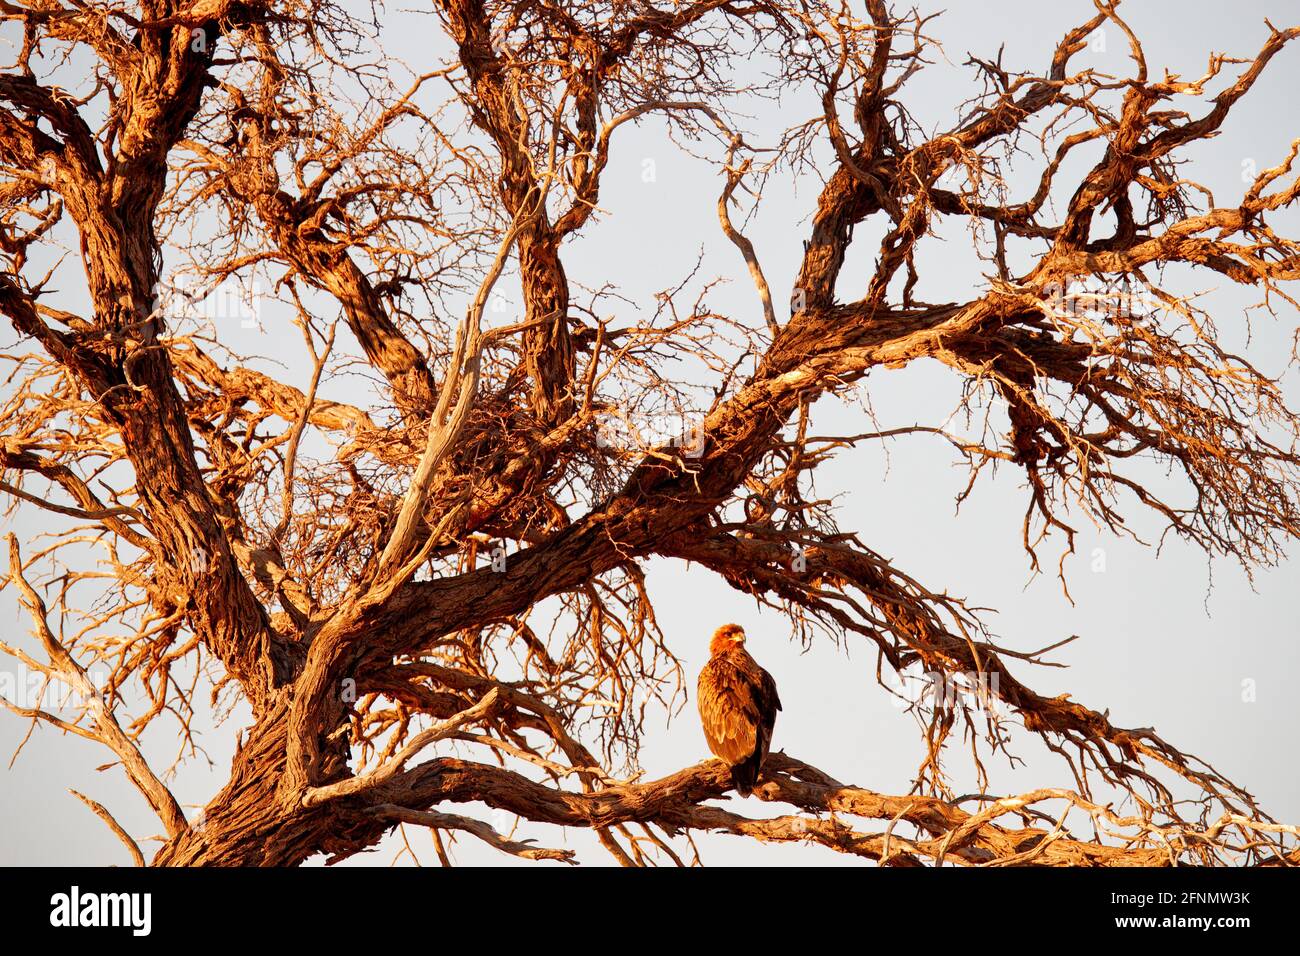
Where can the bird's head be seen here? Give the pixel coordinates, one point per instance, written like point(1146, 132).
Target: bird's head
point(727, 637)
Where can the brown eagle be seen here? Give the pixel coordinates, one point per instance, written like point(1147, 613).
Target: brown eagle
point(738, 705)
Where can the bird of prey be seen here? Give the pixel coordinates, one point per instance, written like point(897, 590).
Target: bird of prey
point(738, 705)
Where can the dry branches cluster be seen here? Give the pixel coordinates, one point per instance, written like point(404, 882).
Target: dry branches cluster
point(435, 594)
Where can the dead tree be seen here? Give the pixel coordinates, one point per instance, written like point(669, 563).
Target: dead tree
point(224, 532)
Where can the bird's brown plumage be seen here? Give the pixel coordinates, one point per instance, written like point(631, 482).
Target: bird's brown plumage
point(738, 704)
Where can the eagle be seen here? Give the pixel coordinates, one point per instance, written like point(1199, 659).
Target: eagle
point(738, 704)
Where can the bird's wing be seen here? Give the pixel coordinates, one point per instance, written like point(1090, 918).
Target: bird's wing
point(769, 702)
point(729, 709)
point(766, 701)
point(771, 698)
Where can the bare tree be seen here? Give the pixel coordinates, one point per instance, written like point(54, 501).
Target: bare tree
point(366, 577)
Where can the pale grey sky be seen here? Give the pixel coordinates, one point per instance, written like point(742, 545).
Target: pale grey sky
point(1157, 646)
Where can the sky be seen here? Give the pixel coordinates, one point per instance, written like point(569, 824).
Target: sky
point(1167, 638)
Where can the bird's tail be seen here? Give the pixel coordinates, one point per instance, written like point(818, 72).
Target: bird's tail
point(745, 775)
